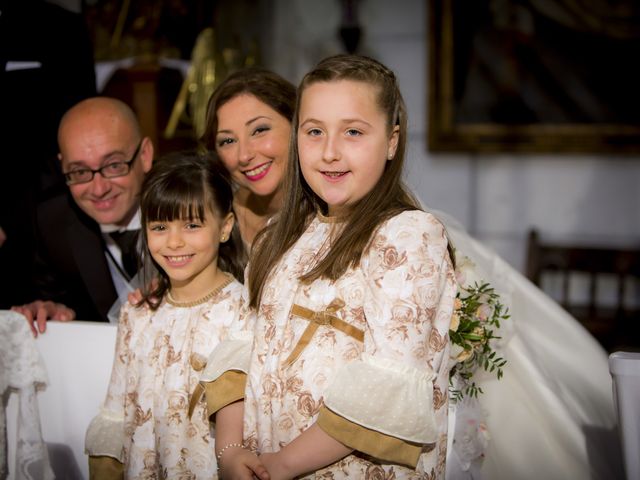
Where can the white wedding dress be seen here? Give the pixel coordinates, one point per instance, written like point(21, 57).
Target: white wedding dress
point(552, 415)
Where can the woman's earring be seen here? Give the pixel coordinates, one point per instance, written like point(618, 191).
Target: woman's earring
point(223, 238)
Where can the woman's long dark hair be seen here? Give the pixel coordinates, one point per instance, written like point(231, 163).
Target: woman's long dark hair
point(184, 185)
point(268, 87)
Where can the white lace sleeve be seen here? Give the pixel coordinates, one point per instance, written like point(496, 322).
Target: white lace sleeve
point(411, 291)
point(386, 396)
point(105, 435)
point(231, 354)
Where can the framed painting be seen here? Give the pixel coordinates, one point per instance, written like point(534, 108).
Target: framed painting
point(546, 76)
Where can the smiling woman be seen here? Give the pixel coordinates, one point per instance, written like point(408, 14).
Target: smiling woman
point(252, 141)
point(249, 125)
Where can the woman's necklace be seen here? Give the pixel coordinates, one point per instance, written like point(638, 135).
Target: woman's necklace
point(208, 296)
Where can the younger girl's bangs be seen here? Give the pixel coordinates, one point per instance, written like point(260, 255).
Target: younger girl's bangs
point(175, 200)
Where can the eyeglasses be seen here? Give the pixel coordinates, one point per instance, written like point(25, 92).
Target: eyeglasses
point(111, 170)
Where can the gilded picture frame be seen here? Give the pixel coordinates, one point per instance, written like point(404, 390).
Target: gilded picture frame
point(508, 76)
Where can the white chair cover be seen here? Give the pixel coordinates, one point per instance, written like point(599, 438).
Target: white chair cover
point(78, 356)
point(625, 370)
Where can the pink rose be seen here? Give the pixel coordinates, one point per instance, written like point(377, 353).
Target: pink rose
point(391, 259)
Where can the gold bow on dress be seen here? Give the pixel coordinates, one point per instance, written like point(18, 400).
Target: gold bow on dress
point(325, 317)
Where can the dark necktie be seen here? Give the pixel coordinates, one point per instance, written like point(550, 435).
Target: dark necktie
point(127, 241)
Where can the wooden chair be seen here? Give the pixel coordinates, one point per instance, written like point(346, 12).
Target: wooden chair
point(609, 304)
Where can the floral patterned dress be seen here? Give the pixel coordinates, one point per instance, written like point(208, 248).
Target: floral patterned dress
point(366, 356)
point(144, 422)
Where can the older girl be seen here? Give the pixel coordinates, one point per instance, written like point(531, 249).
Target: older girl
point(353, 290)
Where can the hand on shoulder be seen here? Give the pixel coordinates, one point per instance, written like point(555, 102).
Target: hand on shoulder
point(135, 297)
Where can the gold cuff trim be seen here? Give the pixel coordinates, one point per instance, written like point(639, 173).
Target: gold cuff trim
point(224, 390)
point(105, 468)
point(378, 445)
point(325, 317)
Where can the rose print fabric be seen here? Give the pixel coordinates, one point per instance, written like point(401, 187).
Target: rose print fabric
point(159, 356)
point(393, 383)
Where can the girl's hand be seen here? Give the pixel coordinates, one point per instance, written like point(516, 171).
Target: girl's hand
point(135, 297)
point(275, 467)
point(240, 464)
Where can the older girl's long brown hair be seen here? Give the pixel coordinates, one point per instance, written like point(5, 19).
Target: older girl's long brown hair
point(388, 197)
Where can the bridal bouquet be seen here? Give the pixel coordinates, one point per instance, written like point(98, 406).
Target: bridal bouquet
point(478, 311)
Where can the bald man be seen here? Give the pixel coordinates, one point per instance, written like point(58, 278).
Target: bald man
point(80, 268)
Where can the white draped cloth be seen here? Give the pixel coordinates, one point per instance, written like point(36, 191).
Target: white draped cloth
point(552, 415)
point(22, 371)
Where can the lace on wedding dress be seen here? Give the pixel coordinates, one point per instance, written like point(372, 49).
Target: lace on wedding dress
point(22, 371)
point(552, 414)
point(469, 436)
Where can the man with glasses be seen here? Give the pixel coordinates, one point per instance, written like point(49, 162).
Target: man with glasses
point(83, 265)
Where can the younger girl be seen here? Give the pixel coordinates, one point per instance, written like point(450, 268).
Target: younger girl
point(144, 429)
point(353, 288)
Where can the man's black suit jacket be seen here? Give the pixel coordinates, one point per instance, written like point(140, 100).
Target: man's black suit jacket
point(71, 266)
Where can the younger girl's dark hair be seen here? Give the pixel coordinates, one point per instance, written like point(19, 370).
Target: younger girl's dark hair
point(386, 199)
point(182, 186)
